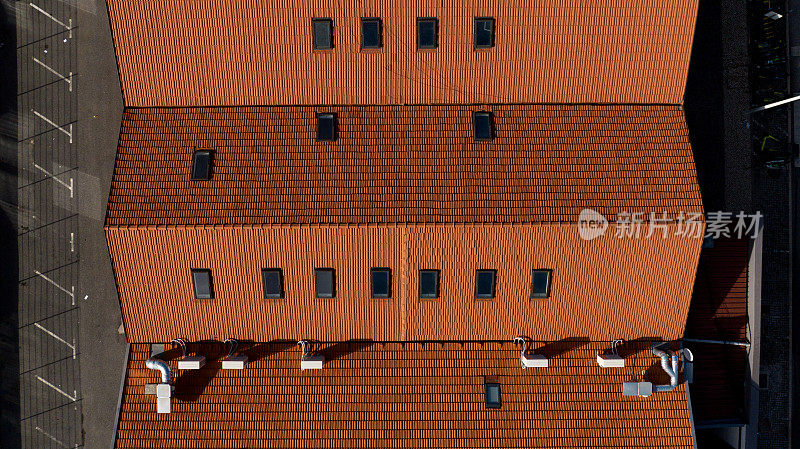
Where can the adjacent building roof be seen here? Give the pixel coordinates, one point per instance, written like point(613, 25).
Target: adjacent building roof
point(721, 383)
point(401, 164)
point(601, 289)
point(719, 301)
point(399, 395)
point(237, 52)
point(719, 312)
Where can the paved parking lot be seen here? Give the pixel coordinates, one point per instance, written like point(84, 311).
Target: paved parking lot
point(49, 357)
point(69, 327)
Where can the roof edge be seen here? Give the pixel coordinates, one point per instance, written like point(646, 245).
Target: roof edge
point(108, 227)
point(372, 105)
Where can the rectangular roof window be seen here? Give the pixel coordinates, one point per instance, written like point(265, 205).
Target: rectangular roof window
point(326, 127)
point(482, 125)
point(427, 32)
point(492, 395)
point(484, 284)
point(323, 33)
point(324, 282)
point(201, 165)
point(540, 284)
point(484, 32)
point(201, 280)
point(381, 282)
point(371, 32)
point(273, 283)
point(428, 284)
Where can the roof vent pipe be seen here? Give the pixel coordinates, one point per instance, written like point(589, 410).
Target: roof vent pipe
point(234, 360)
point(308, 361)
point(669, 363)
point(164, 389)
point(188, 361)
point(527, 360)
point(672, 371)
point(155, 363)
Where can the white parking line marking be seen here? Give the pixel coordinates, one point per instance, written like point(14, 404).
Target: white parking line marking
point(51, 437)
point(70, 293)
point(68, 80)
point(47, 14)
point(72, 346)
point(68, 133)
point(72, 398)
point(68, 186)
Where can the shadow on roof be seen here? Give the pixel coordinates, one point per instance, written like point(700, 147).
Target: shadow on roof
point(556, 348)
point(342, 349)
point(258, 351)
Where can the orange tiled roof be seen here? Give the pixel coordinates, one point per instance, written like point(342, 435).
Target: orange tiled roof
point(402, 164)
point(236, 52)
point(602, 289)
point(393, 395)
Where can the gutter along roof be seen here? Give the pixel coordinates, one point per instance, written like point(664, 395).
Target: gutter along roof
point(245, 52)
point(393, 395)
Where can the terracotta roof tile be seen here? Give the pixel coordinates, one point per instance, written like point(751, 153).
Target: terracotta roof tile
point(606, 288)
point(393, 395)
point(396, 164)
point(719, 301)
point(552, 51)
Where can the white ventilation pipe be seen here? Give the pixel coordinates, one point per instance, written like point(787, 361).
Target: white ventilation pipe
point(672, 371)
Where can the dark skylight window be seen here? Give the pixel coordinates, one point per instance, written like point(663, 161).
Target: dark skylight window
point(201, 165)
point(323, 33)
point(428, 284)
point(484, 284)
point(273, 283)
point(201, 280)
point(482, 125)
point(371, 36)
point(427, 32)
point(492, 395)
point(324, 282)
point(326, 127)
point(484, 32)
point(381, 282)
point(540, 284)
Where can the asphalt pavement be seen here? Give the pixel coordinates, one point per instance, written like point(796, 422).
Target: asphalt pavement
point(72, 348)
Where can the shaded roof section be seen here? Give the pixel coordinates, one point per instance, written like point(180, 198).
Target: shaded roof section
point(719, 312)
point(222, 53)
point(396, 395)
point(721, 381)
point(602, 289)
point(401, 164)
point(719, 301)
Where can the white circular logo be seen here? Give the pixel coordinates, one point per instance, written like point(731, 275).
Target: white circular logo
point(591, 224)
